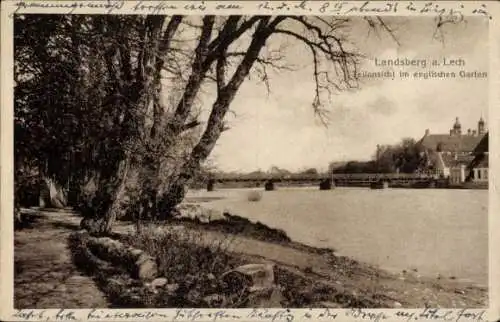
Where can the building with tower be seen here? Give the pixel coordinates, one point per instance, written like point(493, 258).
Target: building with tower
point(481, 127)
point(457, 128)
point(451, 155)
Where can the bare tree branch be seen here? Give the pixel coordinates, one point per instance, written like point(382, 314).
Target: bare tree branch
point(230, 32)
point(190, 125)
point(199, 68)
point(389, 30)
point(346, 61)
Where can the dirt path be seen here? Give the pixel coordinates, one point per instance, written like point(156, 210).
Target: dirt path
point(45, 276)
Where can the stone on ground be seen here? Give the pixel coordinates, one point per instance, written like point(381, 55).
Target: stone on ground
point(257, 276)
point(140, 265)
point(146, 268)
point(159, 282)
point(197, 212)
point(258, 281)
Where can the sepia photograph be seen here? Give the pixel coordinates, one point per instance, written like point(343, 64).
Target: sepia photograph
point(250, 161)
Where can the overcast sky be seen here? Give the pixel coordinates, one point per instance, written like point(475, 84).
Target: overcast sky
point(280, 129)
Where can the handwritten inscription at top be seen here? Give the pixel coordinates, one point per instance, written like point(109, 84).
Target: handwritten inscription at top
point(455, 10)
point(372, 7)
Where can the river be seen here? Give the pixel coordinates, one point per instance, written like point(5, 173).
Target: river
point(431, 231)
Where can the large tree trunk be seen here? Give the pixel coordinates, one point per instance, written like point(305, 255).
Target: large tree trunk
point(117, 202)
point(118, 199)
point(146, 88)
point(52, 194)
point(226, 93)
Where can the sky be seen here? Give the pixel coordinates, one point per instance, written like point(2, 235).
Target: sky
point(280, 128)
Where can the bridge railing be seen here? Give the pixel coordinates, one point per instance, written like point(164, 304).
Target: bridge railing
point(334, 176)
point(271, 177)
point(361, 176)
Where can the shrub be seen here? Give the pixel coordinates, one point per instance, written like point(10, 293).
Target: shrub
point(180, 252)
point(254, 196)
point(189, 260)
point(193, 267)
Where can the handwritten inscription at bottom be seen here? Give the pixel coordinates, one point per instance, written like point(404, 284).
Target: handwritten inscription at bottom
point(268, 315)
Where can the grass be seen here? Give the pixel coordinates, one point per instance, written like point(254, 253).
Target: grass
point(240, 226)
point(179, 253)
point(193, 274)
point(303, 291)
point(193, 265)
point(193, 268)
point(237, 225)
point(192, 271)
point(26, 221)
point(45, 274)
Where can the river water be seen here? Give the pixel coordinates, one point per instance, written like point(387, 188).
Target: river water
point(431, 231)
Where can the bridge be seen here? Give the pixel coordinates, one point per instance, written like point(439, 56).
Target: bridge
point(325, 182)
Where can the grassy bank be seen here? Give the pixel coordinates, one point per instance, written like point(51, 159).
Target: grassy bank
point(192, 274)
point(236, 225)
point(192, 257)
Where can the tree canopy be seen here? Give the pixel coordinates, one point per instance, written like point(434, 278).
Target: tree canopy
point(109, 105)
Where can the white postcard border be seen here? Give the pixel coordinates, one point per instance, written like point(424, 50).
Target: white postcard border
point(451, 10)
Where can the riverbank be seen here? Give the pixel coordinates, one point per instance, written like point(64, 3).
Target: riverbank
point(440, 232)
point(375, 287)
point(308, 277)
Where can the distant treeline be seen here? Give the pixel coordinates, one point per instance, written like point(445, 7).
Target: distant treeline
point(205, 175)
point(405, 157)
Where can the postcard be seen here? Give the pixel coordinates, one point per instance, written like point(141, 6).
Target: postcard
point(249, 160)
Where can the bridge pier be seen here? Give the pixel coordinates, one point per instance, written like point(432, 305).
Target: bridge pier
point(210, 185)
point(326, 184)
point(381, 184)
point(269, 186)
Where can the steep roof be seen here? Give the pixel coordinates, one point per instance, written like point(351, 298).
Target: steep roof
point(480, 161)
point(450, 143)
point(482, 145)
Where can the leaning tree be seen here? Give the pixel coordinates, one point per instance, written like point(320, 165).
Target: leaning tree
point(120, 95)
point(224, 52)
